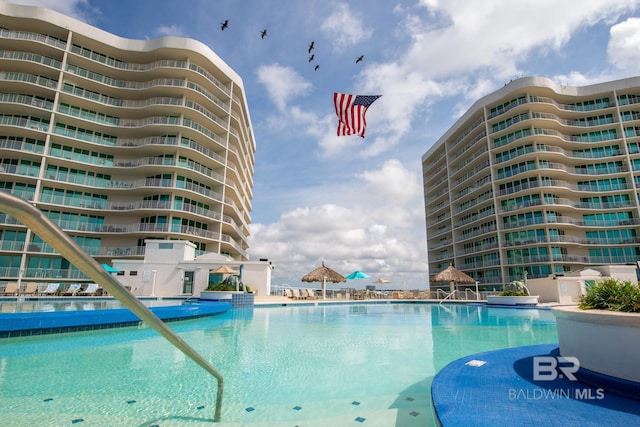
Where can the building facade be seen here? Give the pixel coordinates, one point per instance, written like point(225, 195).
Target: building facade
point(118, 141)
point(537, 179)
point(171, 268)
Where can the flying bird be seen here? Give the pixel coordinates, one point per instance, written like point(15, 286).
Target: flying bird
point(263, 34)
point(360, 58)
point(316, 68)
point(311, 58)
point(311, 46)
point(224, 25)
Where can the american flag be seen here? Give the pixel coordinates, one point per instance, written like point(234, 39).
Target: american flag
point(351, 110)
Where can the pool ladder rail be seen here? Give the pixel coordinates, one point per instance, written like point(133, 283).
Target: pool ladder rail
point(48, 231)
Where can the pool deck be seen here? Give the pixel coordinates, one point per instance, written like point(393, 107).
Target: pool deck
point(496, 388)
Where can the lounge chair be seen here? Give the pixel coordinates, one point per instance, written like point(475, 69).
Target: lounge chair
point(73, 289)
point(296, 293)
point(92, 289)
point(31, 289)
point(11, 289)
point(287, 293)
point(311, 294)
point(52, 289)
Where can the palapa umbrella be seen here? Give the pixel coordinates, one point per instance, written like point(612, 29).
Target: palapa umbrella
point(324, 274)
point(223, 269)
point(453, 276)
point(382, 281)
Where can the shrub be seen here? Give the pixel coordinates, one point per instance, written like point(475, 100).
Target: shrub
point(512, 293)
point(225, 287)
point(514, 289)
point(221, 286)
point(612, 294)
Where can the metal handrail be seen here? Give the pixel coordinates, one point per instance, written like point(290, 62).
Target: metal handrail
point(448, 296)
point(48, 231)
point(474, 293)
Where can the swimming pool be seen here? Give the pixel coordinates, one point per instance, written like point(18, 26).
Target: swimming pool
point(344, 364)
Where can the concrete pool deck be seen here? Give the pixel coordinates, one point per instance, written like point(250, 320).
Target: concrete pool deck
point(496, 388)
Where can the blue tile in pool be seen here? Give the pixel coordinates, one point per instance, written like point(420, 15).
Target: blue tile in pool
point(496, 389)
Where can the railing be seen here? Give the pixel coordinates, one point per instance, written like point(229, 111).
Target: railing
point(473, 293)
point(48, 231)
point(451, 295)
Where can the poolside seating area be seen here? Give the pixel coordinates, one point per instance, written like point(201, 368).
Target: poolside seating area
point(50, 289)
point(354, 294)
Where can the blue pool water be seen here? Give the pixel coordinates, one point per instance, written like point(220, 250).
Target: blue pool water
point(327, 365)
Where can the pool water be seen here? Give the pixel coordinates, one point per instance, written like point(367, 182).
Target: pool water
point(326, 365)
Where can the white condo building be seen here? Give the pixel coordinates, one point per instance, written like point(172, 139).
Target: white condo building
point(118, 141)
point(535, 180)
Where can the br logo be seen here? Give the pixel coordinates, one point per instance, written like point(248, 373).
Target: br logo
point(548, 368)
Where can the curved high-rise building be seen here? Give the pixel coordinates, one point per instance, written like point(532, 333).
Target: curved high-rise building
point(537, 179)
point(118, 141)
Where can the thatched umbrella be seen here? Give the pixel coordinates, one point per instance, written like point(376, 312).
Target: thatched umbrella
point(223, 269)
point(324, 274)
point(453, 276)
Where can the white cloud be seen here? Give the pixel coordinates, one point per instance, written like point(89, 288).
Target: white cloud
point(79, 9)
point(172, 30)
point(345, 238)
point(467, 48)
point(624, 45)
point(370, 226)
point(393, 182)
point(344, 28)
point(282, 83)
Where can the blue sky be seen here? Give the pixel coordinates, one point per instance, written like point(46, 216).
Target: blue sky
point(358, 203)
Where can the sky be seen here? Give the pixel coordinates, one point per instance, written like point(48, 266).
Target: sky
point(357, 203)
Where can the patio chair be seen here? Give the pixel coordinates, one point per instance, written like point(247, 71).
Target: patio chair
point(296, 293)
point(92, 289)
point(73, 289)
point(31, 289)
point(52, 289)
point(11, 289)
